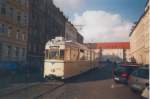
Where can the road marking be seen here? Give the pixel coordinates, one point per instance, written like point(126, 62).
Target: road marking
point(116, 86)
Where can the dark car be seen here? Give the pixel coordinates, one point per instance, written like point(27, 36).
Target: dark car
point(122, 71)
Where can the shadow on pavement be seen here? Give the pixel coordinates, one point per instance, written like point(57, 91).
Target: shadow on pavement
point(99, 73)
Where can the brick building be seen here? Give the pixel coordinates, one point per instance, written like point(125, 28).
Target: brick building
point(139, 38)
point(26, 26)
point(13, 30)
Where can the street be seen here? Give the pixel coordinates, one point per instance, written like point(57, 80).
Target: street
point(95, 84)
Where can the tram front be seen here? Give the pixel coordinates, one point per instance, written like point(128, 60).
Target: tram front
point(54, 59)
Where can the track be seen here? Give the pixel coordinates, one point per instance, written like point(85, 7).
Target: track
point(35, 91)
point(48, 92)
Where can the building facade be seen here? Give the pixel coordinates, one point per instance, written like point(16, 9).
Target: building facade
point(13, 30)
point(71, 33)
point(26, 26)
point(46, 22)
point(139, 39)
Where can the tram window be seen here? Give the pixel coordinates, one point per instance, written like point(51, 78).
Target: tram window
point(82, 51)
point(74, 54)
point(82, 55)
point(89, 53)
point(67, 54)
point(61, 54)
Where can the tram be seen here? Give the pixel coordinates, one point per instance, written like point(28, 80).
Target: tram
point(65, 59)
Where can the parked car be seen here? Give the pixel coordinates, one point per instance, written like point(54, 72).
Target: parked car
point(121, 72)
point(139, 78)
point(145, 93)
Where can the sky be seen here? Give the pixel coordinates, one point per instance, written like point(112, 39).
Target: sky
point(103, 20)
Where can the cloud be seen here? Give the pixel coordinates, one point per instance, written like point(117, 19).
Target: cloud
point(66, 5)
point(102, 26)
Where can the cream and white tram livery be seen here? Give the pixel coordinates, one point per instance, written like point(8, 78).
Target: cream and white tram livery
point(65, 59)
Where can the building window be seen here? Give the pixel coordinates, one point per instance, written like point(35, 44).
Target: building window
point(23, 37)
point(11, 12)
point(3, 28)
point(23, 52)
point(25, 20)
point(17, 51)
point(29, 47)
point(9, 51)
point(0, 28)
point(0, 50)
point(9, 31)
point(3, 10)
point(14, 52)
point(19, 18)
point(17, 34)
point(34, 48)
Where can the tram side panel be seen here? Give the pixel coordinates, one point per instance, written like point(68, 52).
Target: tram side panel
point(71, 64)
point(76, 63)
point(75, 68)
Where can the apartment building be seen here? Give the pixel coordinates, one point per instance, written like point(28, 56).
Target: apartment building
point(71, 33)
point(139, 39)
point(13, 30)
point(46, 21)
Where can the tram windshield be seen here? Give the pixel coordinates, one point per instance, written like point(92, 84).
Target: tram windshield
point(54, 54)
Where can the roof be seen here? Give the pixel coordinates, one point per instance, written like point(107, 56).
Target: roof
point(113, 45)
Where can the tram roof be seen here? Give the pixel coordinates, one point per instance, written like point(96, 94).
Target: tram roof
point(63, 42)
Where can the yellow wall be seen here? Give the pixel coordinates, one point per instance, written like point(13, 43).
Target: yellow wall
point(139, 40)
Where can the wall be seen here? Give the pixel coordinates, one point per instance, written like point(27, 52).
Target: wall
point(139, 39)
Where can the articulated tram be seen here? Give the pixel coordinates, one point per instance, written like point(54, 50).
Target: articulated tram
point(65, 59)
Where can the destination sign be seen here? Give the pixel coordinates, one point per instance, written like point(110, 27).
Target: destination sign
point(54, 47)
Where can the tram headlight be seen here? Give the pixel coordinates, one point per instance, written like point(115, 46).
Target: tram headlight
point(56, 69)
